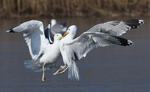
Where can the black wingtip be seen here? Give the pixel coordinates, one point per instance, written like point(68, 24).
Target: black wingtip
point(134, 23)
point(10, 31)
point(130, 42)
point(124, 42)
point(141, 21)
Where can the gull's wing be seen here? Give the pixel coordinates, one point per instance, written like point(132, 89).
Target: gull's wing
point(116, 28)
point(79, 47)
point(58, 28)
point(33, 32)
point(48, 33)
point(88, 41)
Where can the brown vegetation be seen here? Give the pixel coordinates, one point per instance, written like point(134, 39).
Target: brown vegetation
point(71, 8)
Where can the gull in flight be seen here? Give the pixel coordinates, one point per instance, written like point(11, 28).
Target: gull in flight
point(41, 51)
point(73, 49)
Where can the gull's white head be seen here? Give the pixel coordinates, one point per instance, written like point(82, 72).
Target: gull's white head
point(53, 22)
point(57, 37)
point(71, 31)
point(72, 28)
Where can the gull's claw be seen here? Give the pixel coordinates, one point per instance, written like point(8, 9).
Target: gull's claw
point(61, 70)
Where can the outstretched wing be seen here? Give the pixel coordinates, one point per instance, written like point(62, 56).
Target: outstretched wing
point(33, 32)
point(80, 46)
point(116, 28)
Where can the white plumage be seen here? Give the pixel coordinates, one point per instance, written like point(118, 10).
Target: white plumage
point(43, 52)
point(100, 35)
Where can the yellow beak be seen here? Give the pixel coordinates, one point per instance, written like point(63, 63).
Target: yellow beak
point(61, 37)
point(64, 35)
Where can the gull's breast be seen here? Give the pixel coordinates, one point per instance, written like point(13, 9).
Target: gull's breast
point(50, 55)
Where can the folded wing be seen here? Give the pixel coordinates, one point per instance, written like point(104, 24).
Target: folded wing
point(47, 33)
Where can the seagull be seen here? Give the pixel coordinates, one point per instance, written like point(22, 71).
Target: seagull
point(42, 52)
point(55, 28)
point(58, 27)
point(73, 49)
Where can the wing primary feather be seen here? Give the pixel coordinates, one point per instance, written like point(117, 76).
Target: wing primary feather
point(123, 41)
point(48, 34)
point(116, 28)
point(134, 23)
point(10, 31)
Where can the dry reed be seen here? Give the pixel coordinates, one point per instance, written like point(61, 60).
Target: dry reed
point(70, 8)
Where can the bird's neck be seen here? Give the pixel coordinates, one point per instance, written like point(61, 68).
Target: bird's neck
point(53, 23)
point(69, 37)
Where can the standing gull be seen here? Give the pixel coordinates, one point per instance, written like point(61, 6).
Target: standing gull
point(42, 52)
point(101, 35)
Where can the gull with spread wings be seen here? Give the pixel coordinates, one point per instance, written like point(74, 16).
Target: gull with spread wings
point(101, 35)
point(42, 52)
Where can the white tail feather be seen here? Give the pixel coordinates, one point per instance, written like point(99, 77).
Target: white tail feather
point(73, 71)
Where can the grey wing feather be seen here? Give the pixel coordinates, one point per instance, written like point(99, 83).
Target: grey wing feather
point(58, 28)
point(33, 32)
point(116, 28)
point(88, 41)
